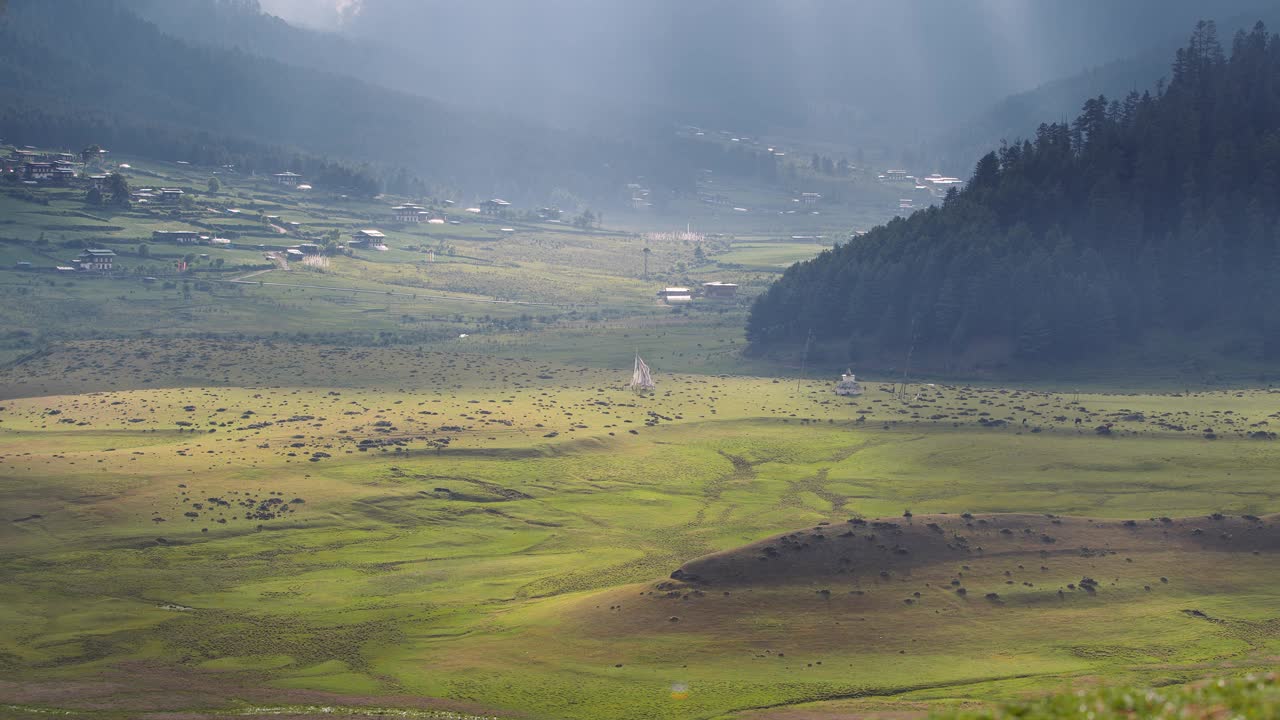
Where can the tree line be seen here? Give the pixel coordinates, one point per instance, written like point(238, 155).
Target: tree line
point(1160, 210)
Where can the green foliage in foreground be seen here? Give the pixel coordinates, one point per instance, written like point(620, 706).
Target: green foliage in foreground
point(1250, 696)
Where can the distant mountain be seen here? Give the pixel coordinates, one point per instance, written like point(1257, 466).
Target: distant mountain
point(875, 73)
point(1158, 211)
point(243, 25)
point(955, 149)
point(79, 71)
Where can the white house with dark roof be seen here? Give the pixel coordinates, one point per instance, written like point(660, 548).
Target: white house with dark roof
point(717, 290)
point(494, 206)
point(181, 237)
point(410, 213)
point(368, 238)
point(97, 260)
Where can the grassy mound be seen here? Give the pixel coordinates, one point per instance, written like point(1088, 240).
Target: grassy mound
point(871, 550)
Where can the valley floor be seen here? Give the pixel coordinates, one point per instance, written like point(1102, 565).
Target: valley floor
point(369, 527)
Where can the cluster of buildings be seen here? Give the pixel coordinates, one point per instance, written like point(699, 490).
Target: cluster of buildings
point(41, 167)
point(936, 184)
point(146, 196)
point(714, 290)
point(98, 260)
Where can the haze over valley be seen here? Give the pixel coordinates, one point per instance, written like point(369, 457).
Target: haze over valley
point(768, 360)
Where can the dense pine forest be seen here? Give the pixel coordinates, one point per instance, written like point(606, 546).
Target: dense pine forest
point(1160, 210)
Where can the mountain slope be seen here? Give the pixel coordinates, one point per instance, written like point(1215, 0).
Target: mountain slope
point(1017, 116)
point(99, 69)
point(1159, 212)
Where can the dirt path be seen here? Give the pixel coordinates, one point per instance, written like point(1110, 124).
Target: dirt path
point(253, 274)
point(420, 296)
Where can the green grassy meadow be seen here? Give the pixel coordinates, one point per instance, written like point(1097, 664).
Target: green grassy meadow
point(412, 482)
point(455, 526)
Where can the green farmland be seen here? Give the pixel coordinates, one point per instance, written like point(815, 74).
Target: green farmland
point(412, 482)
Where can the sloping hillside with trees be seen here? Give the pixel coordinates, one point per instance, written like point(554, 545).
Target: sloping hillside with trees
point(1156, 211)
point(77, 72)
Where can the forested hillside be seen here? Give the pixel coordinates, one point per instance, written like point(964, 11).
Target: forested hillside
point(960, 145)
point(92, 71)
point(1155, 211)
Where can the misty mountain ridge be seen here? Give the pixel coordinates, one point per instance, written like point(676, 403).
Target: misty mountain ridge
point(956, 149)
point(61, 91)
point(875, 75)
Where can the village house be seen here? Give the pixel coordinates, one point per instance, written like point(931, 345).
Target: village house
point(291, 179)
point(170, 195)
point(409, 213)
point(96, 260)
point(309, 248)
point(368, 238)
point(717, 290)
point(494, 206)
point(181, 237)
point(810, 198)
point(38, 171)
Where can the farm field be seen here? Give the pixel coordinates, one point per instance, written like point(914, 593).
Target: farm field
point(438, 531)
point(411, 481)
point(504, 281)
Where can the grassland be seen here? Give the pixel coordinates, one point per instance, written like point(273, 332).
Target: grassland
point(413, 483)
point(486, 531)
